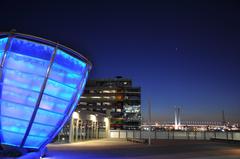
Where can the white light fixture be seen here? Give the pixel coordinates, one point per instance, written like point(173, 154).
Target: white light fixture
point(93, 118)
point(75, 115)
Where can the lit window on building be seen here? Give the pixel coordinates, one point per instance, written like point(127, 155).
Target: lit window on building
point(118, 97)
point(106, 91)
point(114, 91)
point(132, 109)
point(119, 110)
point(109, 91)
point(106, 103)
point(95, 97)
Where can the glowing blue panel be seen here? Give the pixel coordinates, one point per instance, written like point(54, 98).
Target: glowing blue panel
point(34, 141)
point(15, 110)
point(3, 42)
point(53, 104)
point(31, 49)
point(11, 138)
point(32, 111)
point(59, 90)
point(69, 62)
point(19, 95)
point(13, 125)
point(41, 130)
point(22, 80)
point(26, 64)
point(48, 118)
point(78, 95)
point(65, 75)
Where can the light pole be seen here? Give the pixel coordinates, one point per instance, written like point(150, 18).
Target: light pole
point(149, 123)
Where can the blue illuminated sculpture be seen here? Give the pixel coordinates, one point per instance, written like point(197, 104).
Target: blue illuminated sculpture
point(40, 85)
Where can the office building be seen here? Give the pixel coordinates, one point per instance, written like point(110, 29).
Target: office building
point(116, 97)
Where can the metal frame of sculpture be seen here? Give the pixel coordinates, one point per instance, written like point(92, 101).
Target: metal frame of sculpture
point(40, 84)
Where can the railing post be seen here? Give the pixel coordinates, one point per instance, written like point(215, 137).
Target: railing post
point(155, 134)
point(92, 130)
point(140, 135)
point(98, 129)
point(88, 131)
point(85, 131)
point(168, 135)
point(119, 134)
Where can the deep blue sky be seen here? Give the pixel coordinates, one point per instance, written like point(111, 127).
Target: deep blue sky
point(184, 53)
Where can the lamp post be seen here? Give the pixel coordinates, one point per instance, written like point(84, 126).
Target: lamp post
point(149, 122)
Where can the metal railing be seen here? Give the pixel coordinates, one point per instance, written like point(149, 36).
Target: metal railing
point(171, 135)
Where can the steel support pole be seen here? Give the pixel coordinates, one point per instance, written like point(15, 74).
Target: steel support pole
point(140, 135)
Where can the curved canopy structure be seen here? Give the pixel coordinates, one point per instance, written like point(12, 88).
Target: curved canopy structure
point(40, 85)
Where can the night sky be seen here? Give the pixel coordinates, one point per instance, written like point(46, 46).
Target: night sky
point(182, 53)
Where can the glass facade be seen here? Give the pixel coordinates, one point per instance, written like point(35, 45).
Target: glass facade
point(116, 96)
point(40, 85)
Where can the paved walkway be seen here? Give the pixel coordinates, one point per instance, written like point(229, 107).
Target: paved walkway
point(164, 149)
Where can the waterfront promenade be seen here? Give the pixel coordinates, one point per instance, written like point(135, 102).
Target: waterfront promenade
point(163, 149)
